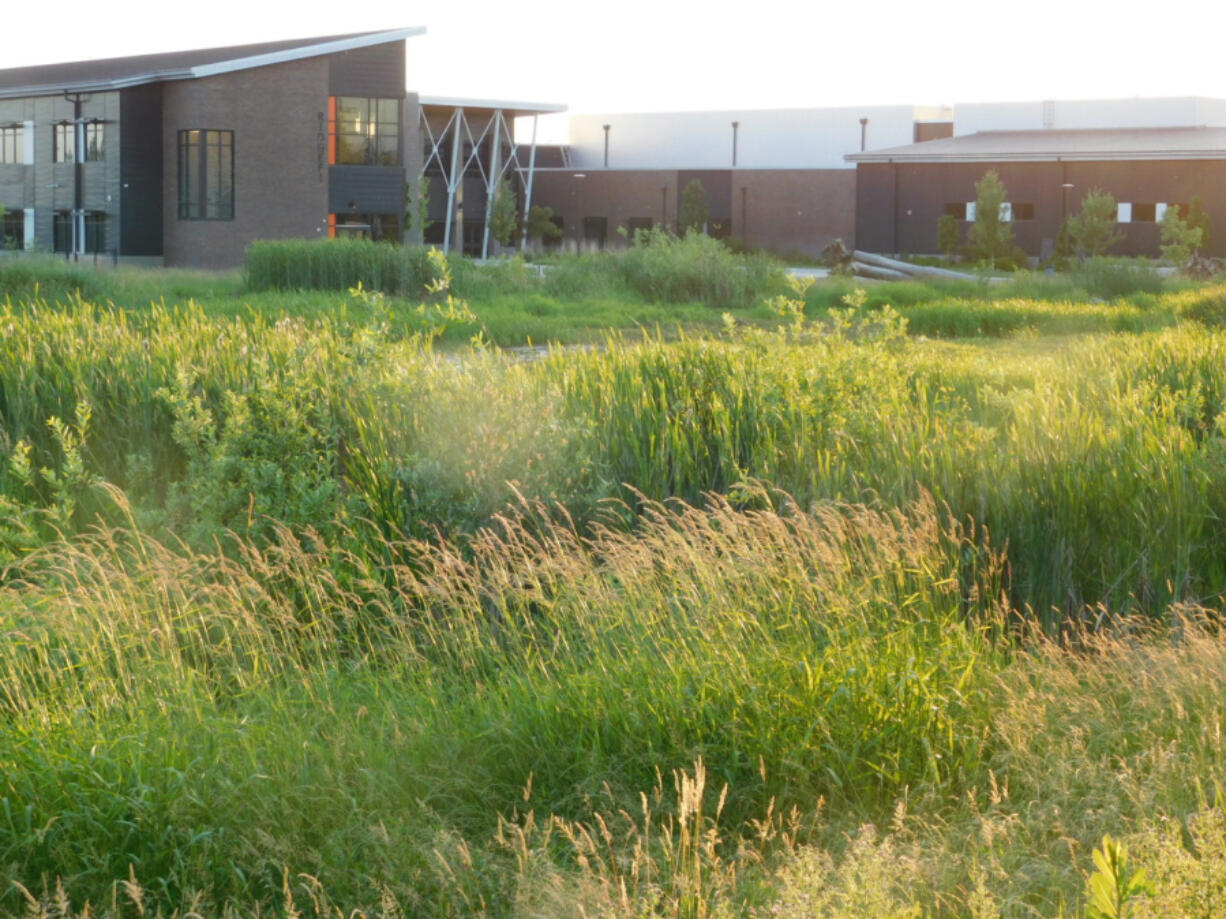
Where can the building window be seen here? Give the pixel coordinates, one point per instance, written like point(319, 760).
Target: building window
point(365, 132)
point(1144, 213)
point(65, 146)
point(12, 143)
point(93, 141)
point(93, 227)
point(13, 230)
point(1023, 211)
point(206, 175)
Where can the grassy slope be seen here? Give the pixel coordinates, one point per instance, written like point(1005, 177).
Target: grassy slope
point(210, 721)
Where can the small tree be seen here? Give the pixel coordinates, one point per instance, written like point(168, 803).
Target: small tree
point(1198, 218)
point(990, 236)
point(1094, 230)
point(949, 237)
point(540, 224)
point(694, 213)
point(1180, 239)
point(503, 214)
point(417, 209)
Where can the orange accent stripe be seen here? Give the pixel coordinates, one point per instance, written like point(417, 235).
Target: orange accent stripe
point(331, 226)
point(332, 130)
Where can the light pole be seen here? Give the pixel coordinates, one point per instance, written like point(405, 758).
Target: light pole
point(580, 176)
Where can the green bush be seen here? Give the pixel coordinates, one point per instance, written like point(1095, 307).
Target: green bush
point(52, 279)
point(1112, 278)
point(337, 264)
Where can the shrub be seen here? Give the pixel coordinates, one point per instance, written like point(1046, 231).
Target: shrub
point(337, 264)
point(1112, 278)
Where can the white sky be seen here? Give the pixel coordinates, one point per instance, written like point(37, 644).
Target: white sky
point(657, 55)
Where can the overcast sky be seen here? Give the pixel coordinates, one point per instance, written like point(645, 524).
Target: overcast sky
point(653, 55)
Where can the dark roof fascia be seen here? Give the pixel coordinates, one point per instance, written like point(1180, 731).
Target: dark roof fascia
point(218, 67)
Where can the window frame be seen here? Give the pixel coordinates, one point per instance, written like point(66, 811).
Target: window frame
point(12, 138)
point(195, 204)
point(370, 135)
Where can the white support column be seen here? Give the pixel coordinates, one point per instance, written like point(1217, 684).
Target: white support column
point(452, 179)
point(27, 132)
point(492, 183)
point(523, 242)
point(29, 228)
point(78, 214)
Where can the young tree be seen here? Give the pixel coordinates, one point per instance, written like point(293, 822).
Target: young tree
point(949, 237)
point(1198, 218)
point(540, 224)
point(1180, 239)
point(504, 213)
point(990, 236)
point(693, 213)
point(417, 210)
point(1094, 230)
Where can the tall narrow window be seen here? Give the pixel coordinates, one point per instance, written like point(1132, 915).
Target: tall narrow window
point(65, 145)
point(12, 143)
point(365, 132)
point(206, 175)
point(13, 230)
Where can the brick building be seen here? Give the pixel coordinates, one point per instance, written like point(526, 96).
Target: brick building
point(185, 158)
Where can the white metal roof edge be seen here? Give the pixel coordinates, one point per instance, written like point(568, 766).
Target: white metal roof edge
point(1078, 157)
point(208, 70)
point(297, 54)
point(463, 102)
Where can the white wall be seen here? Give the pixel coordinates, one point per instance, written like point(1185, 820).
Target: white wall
point(766, 139)
point(1186, 111)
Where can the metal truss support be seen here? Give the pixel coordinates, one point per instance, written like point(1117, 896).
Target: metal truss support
point(460, 126)
point(523, 237)
point(452, 181)
point(491, 191)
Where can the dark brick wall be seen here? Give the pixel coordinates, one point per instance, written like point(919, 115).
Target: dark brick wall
point(925, 188)
point(374, 71)
point(793, 210)
point(784, 210)
point(619, 195)
point(280, 165)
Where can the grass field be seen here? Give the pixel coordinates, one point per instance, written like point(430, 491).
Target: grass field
point(822, 609)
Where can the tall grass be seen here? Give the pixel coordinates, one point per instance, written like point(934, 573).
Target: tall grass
point(470, 731)
point(337, 264)
point(217, 424)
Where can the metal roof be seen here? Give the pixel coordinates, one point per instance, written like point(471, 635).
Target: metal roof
point(519, 108)
point(1195, 143)
point(119, 72)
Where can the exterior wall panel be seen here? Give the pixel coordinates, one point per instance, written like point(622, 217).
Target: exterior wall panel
point(374, 71)
point(365, 189)
point(793, 210)
point(280, 166)
point(925, 188)
point(140, 170)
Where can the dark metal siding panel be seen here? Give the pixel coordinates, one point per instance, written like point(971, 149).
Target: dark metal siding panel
point(375, 71)
point(366, 189)
point(874, 206)
point(140, 170)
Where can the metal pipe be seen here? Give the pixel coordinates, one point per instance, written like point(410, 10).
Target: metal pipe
point(606, 145)
point(735, 126)
point(863, 133)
